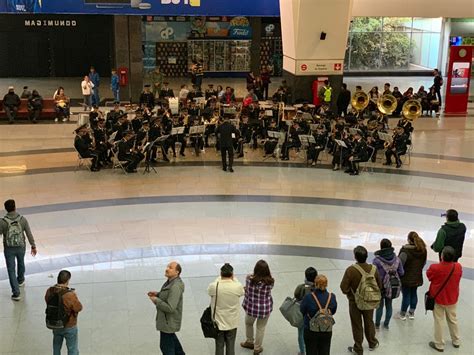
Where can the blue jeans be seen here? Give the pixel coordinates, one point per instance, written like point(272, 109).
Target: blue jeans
point(116, 95)
point(170, 345)
point(95, 97)
point(409, 299)
point(388, 313)
point(301, 340)
point(14, 256)
point(70, 334)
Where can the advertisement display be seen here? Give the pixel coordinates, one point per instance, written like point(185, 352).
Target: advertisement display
point(145, 7)
point(457, 88)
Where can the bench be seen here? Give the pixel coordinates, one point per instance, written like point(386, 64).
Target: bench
point(49, 109)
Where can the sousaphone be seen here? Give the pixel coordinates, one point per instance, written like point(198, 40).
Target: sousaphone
point(411, 109)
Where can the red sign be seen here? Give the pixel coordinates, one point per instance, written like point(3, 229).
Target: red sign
point(337, 66)
point(304, 67)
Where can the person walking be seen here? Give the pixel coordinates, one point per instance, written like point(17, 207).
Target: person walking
point(300, 292)
point(169, 310)
point(87, 88)
point(319, 300)
point(444, 280)
point(390, 270)
point(95, 78)
point(362, 277)
point(413, 258)
point(115, 85)
point(343, 100)
point(13, 228)
point(452, 234)
point(62, 294)
point(437, 84)
point(226, 133)
point(258, 305)
point(228, 290)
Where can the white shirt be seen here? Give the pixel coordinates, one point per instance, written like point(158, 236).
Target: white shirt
point(86, 87)
point(183, 94)
point(228, 302)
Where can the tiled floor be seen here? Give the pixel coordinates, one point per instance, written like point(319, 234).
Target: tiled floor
point(116, 233)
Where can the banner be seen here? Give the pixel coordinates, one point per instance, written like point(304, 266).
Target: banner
point(145, 7)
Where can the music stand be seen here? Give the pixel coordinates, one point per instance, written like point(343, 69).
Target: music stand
point(148, 149)
point(341, 144)
point(235, 122)
point(278, 136)
point(354, 131)
point(177, 130)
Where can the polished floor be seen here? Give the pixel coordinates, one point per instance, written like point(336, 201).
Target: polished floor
point(116, 233)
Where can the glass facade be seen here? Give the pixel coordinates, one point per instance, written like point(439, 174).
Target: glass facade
point(393, 43)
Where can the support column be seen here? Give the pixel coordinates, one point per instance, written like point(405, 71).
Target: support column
point(255, 53)
point(314, 34)
point(129, 54)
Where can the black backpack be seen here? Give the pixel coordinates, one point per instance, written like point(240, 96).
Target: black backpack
point(56, 316)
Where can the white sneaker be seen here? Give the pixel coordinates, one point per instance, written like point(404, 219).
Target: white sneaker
point(411, 315)
point(65, 119)
point(402, 316)
point(16, 298)
point(21, 284)
point(56, 119)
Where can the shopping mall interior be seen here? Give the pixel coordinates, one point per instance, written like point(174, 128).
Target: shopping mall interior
point(120, 173)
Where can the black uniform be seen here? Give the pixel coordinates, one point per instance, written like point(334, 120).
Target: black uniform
point(292, 141)
point(125, 154)
point(315, 148)
point(398, 148)
point(35, 106)
point(101, 143)
point(83, 146)
point(225, 131)
point(343, 101)
point(359, 154)
point(148, 99)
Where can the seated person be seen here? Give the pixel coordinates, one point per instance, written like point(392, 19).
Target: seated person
point(166, 92)
point(359, 154)
point(11, 103)
point(397, 148)
point(147, 98)
point(35, 106)
point(83, 145)
point(270, 142)
point(433, 102)
point(292, 140)
point(62, 105)
point(315, 148)
point(127, 154)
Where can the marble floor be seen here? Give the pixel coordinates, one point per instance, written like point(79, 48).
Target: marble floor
point(117, 232)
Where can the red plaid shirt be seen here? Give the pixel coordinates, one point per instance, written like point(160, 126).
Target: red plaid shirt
point(258, 301)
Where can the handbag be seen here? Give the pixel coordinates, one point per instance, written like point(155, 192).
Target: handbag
point(429, 300)
point(208, 324)
point(290, 309)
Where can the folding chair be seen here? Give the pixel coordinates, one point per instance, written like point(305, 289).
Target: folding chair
point(117, 163)
point(83, 162)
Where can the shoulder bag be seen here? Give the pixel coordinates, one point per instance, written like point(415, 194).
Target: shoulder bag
point(208, 320)
point(429, 300)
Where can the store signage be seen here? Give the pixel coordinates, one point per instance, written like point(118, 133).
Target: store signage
point(319, 67)
point(304, 67)
point(50, 23)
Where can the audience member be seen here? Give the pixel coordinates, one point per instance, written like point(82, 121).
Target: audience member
point(156, 77)
point(452, 234)
point(11, 103)
point(169, 310)
point(445, 278)
point(266, 81)
point(87, 88)
point(95, 78)
point(437, 83)
point(62, 105)
point(13, 228)
point(35, 106)
point(115, 85)
point(26, 93)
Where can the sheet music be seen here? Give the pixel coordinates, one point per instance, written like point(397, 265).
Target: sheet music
point(341, 143)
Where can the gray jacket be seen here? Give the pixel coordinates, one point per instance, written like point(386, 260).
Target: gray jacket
point(24, 225)
point(169, 306)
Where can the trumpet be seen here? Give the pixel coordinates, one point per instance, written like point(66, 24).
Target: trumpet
point(411, 109)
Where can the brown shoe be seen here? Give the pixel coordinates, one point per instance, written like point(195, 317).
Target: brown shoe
point(247, 345)
point(256, 352)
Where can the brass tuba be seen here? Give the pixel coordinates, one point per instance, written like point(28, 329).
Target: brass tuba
point(359, 101)
point(411, 109)
point(387, 104)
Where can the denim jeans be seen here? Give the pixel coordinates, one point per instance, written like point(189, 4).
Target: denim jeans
point(70, 334)
point(226, 340)
point(388, 313)
point(116, 95)
point(170, 345)
point(409, 299)
point(15, 256)
point(95, 96)
point(301, 340)
point(87, 102)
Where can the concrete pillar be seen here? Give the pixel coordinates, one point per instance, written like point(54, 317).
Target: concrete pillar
point(256, 24)
point(314, 34)
point(129, 54)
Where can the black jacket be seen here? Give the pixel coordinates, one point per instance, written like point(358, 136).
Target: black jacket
point(11, 100)
point(82, 145)
point(35, 102)
point(225, 131)
point(148, 99)
point(413, 262)
point(344, 99)
point(360, 150)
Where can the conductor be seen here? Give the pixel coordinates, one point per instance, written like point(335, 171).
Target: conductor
point(226, 132)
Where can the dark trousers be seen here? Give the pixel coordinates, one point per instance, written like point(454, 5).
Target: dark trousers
point(393, 152)
point(133, 160)
point(438, 94)
point(11, 112)
point(224, 152)
point(95, 157)
point(15, 256)
point(170, 345)
point(409, 299)
point(313, 153)
point(358, 318)
point(265, 91)
point(341, 111)
point(317, 343)
point(226, 339)
point(35, 114)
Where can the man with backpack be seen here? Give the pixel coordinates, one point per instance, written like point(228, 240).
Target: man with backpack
point(390, 271)
point(14, 227)
point(361, 285)
point(62, 309)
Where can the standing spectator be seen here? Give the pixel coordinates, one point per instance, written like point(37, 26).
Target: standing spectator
point(26, 93)
point(250, 80)
point(258, 305)
point(265, 75)
point(11, 103)
point(14, 227)
point(228, 291)
point(169, 310)
point(318, 343)
point(199, 72)
point(300, 292)
point(444, 287)
point(115, 85)
point(437, 83)
point(87, 90)
point(95, 78)
point(72, 307)
point(390, 270)
point(349, 284)
point(35, 106)
point(343, 100)
point(156, 78)
point(452, 234)
point(413, 257)
point(226, 133)
point(258, 88)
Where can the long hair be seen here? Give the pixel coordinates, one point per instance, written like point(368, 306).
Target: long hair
point(415, 239)
point(261, 272)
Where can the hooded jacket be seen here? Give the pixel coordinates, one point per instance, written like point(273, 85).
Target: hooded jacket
point(413, 261)
point(387, 256)
point(450, 234)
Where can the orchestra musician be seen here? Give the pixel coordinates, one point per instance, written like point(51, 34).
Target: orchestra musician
point(398, 95)
point(126, 153)
point(94, 116)
point(226, 132)
point(147, 98)
point(314, 149)
point(83, 146)
point(359, 154)
point(112, 117)
point(374, 143)
point(165, 93)
point(210, 92)
point(270, 143)
point(101, 143)
point(292, 140)
point(183, 121)
point(211, 126)
point(122, 126)
point(397, 148)
point(153, 134)
point(406, 125)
